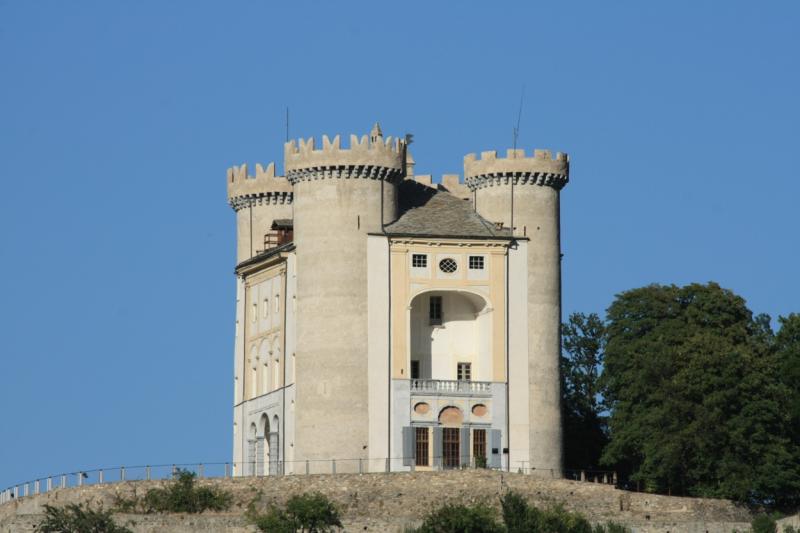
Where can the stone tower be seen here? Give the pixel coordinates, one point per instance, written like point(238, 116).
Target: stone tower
point(341, 195)
point(528, 189)
point(258, 202)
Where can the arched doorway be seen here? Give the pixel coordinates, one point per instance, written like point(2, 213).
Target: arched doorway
point(272, 436)
point(262, 445)
point(451, 419)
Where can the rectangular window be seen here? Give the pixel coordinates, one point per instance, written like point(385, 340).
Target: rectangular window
point(476, 262)
point(419, 260)
point(451, 447)
point(421, 448)
point(277, 302)
point(435, 311)
point(254, 313)
point(266, 307)
point(479, 447)
point(414, 369)
point(464, 371)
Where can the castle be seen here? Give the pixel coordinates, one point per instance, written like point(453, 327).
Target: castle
point(384, 322)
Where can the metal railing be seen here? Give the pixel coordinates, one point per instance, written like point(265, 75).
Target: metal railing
point(101, 476)
point(451, 386)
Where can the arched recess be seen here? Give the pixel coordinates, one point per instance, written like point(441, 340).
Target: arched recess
point(263, 366)
point(276, 367)
point(274, 456)
point(448, 327)
point(252, 373)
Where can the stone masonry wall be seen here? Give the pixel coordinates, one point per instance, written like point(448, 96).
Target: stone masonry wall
point(388, 502)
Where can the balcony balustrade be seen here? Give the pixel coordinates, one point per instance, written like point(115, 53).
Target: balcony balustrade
point(451, 387)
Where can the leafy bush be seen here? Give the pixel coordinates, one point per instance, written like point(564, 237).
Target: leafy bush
point(182, 496)
point(312, 513)
point(81, 518)
point(461, 519)
point(520, 517)
point(764, 523)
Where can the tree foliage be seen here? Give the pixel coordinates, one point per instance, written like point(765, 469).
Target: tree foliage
point(312, 513)
point(78, 518)
point(521, 517)
point(583, 342)
point(697, 402)
point(182, 496)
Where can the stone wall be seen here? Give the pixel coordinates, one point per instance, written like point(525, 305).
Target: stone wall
point(388, 502)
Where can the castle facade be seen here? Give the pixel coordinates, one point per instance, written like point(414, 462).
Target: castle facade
point(384, 322)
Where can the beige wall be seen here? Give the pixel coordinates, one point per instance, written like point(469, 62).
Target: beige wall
point(332, 219)
point(409, 282)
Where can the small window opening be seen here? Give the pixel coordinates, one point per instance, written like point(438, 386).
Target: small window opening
point(254, 313)
point(476, 262)
point(419, 260)
point(448, 265)
point(435, 311)
point(464, 371)
point(414, 369)
point(266, 307)
point(277, 302)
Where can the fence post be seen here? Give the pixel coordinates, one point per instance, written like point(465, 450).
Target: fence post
point(333, 466)
point(27, 489)
point(200, 471)
point(122, 473)
point(80, 479)
point(49, 483)
point(583, 475)
point(388, 465)
point(63, 481)
point(306, 466)
point(360, 466)
point(227, 470)
point(36, 487)
point(147, 472)
point(100, 477)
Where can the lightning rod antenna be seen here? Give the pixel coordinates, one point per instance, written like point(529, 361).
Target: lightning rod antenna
point(515, 137)
point(287, 123)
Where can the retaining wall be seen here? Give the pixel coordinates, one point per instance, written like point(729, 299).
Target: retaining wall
point(389, 502)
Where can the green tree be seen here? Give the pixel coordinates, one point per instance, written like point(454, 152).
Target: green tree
point(697, 406)
point(182, 496)
point(311, 513)
point(78, 518)
point(583, 342)
point(461, 519)
point(787, 352)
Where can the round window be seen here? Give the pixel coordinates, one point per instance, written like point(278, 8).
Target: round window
point(448, 265)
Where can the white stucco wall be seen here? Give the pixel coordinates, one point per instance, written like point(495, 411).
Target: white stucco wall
point(378, 349)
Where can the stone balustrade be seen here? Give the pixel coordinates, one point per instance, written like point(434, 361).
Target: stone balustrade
point(451, 387)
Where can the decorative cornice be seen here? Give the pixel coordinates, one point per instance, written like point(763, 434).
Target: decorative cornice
point(371, 157)
point(541, 169)
point(261, 198)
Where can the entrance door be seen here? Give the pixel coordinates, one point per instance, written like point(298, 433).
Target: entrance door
point(450, 447)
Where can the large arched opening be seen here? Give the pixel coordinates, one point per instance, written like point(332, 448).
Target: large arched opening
point(450, 337)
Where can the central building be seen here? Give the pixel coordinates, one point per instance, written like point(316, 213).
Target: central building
point(385, 322)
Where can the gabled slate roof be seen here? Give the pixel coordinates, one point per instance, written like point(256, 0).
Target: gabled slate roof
point(425, 211)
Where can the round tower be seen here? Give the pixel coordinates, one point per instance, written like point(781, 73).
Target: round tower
point(341, 196)
point(258, 201)
point(524, 193)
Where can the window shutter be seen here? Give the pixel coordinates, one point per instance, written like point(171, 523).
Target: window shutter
point(437, 446)
point(496, 449)
point(464, 445)
point(408, 446)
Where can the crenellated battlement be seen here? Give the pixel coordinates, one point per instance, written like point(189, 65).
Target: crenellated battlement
point(265, 187)
point(370, 156)
point(540, 169)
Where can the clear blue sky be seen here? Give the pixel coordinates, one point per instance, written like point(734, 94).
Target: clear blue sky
point(118, 120)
